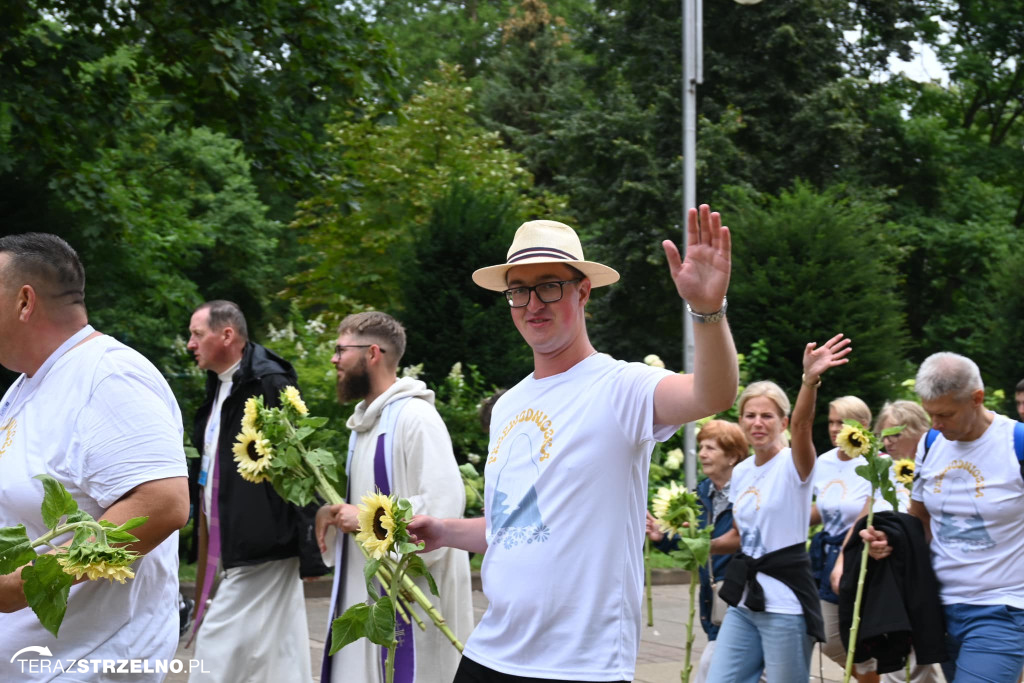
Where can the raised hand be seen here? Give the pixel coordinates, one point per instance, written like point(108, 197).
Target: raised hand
point(818, 359)
point(702, 279)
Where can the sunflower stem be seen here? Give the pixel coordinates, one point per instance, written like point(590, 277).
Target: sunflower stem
point(396, 578)
point(855, 626)
point(691, 531)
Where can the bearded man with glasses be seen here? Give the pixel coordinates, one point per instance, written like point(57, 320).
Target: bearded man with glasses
point(570, 447)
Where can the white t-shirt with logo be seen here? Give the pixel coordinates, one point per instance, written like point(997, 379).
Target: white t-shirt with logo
point(101, 422)
point(565, 500)
point(772, 510)
point(975, 496)
point(839, 491)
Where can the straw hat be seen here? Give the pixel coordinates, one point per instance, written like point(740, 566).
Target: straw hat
point(544, 242)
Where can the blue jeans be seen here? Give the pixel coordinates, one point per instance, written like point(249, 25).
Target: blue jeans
point(751, 641)
point(984, 643)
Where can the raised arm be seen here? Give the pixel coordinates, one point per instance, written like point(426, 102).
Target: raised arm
point(702, 280)
point(817, 361)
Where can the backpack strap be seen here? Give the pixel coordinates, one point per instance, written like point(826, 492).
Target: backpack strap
point(1018, 445)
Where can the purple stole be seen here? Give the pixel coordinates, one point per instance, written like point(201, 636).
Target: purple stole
point(405, 653)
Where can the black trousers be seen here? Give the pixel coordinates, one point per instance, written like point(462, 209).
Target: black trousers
point(471, 672)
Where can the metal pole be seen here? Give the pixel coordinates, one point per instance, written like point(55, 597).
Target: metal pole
point(692, 75)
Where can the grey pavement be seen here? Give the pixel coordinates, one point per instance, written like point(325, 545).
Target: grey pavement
point(662, 647)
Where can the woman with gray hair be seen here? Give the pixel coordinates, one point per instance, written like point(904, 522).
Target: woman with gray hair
point(968, 492)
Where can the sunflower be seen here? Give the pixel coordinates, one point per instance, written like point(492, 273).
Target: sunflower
point(251, 415)
point(98, 561)
point(291, 396)
point(376, 524)
point(252, 453)
point(853, 440)
point(669, 507)
point(904, 470)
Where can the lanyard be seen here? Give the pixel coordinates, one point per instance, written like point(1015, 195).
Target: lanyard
point(25, 386)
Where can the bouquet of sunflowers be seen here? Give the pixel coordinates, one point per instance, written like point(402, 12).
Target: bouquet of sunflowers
point(282, 445)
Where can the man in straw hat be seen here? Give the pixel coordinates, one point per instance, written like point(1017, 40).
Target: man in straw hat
point(567, 464)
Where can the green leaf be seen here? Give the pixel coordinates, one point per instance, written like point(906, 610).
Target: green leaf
point(864, 471)
point(700, 548)
point(116, 536)
point(303, 433)
point(133, 523)
point(314, 422)
point(349, 627)
point(320, 458)
point(57, 502)
point(890, 431)
point(15, 548)
point(417, 567)
point(370, 573)
point(406, 548)
point(46, 589)
point(380, 624)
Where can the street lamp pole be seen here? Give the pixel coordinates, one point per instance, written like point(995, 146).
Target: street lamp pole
point(693, 74)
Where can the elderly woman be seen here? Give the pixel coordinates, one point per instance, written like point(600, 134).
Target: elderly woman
point(775, 615)
point(720, 447)
point(841, 496)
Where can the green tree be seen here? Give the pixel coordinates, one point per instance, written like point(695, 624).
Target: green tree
point(386, 179)
point(821, 264)
point(448, 318)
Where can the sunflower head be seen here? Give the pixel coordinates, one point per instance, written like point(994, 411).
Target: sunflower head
point(251, 414)
point(253, 454)
point(904, 470)
point(673, 505)
point(853, 440)
point(377, 524)
point(98, 561)
point(290, 396)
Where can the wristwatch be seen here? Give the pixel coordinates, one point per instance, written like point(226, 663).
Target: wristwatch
point(709, 317)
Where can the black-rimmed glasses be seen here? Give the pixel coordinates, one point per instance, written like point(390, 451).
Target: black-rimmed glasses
point(547, 292)
point(340, 348)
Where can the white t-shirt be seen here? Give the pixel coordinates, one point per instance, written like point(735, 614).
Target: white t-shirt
point(772, 510)
point(102, 421)
point(565, 500)
point(975, 497)
point(840, 492)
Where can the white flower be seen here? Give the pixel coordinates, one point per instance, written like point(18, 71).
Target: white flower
point(315, 326)
point(654, 361)
point(413, 371)
point(473, 458)
point(674, 459)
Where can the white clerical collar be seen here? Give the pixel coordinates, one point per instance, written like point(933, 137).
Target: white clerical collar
point(230, 372)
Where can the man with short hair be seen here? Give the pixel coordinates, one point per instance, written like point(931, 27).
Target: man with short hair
point(399, 445)
point(570, 447)
point(969, 493)
point(99, 418)
point(256, 627)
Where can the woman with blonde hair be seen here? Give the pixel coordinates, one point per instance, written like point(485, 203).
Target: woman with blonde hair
point(840, 498)
point(775, 615)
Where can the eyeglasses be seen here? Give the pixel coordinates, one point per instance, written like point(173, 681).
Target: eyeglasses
point(340, 349)
point(547, 292)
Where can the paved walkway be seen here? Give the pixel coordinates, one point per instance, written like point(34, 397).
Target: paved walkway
point(662, 648)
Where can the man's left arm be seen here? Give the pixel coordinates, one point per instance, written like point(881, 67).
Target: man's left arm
point(702, 280)
point(163, 501)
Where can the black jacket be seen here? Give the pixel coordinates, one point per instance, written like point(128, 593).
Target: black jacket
point(900, 607)
point(256, 524)
point(790, 565)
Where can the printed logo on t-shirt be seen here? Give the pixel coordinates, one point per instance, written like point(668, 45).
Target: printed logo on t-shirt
point(750, 536)
point(960, 523)
point(7, 435)
point(515, 515)
point(829, 499)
